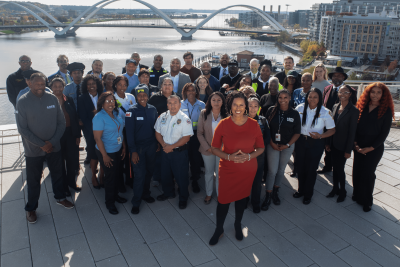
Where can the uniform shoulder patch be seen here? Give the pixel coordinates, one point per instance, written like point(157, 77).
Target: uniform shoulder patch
point(128, 114)
point(188, 121)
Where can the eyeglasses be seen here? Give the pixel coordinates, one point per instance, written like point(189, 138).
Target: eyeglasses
point(110, 101)
point(63, 61)
point(25, 61)
point(344, 93)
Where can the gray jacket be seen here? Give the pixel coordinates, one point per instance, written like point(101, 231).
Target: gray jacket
point(183, 79)
point(39, 120)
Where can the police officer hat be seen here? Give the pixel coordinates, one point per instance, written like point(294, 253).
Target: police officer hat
point(129, 60)
point(76, 66)
point(233, 63)
point(28, 73)
point(141, 88)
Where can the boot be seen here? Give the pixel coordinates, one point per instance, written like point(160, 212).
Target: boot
point(275, 197)
point(238, 231)
point(216, 236)
point(266, 202)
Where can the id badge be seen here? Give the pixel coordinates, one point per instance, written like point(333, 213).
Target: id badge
point(277, 137)
point(119, 139)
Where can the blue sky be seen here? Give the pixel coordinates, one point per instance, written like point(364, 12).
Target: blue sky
point(204, 4)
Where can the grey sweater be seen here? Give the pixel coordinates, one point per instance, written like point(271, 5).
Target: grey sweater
point(39, 120)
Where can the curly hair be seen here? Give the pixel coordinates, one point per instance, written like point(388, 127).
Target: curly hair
point(99, 84)
point(104, 78)
point(232, 96)
point(385, 102)
point(186, 88)
point(144, 71)
point(117, 80)
point(209, 91)
point(223, 111)
point(102, 99)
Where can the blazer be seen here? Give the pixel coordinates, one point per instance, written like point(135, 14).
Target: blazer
point(183, 79)
point(204, 133)
point(327, 93)
point(250, 74)
point(215, 71)
point(73, 116)
point(86, 112)
point(346, 127)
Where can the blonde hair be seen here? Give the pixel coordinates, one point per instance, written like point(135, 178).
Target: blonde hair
point(314, 75)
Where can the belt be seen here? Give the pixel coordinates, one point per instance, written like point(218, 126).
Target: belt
point(309, 138)
point(181, 148)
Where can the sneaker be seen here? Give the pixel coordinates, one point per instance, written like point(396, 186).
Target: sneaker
point(31, 216)
point(67, 204)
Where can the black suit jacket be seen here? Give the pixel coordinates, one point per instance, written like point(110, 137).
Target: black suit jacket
point(141, 66)
point(215, 71)
point(86, 113)
point(73, 117)
point(346, 126)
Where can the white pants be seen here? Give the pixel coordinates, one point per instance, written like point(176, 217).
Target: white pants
point(211, 165)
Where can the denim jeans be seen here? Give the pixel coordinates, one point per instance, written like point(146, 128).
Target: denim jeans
point(277, 161)
point(211, 165)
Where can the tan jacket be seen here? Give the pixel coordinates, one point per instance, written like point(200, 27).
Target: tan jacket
point(204, 133)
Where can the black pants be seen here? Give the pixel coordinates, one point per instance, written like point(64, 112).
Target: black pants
point(364, 167)
point(111, 176)
point(195, 158)
point(328, 160)
point(125, 168)
point(175, 165)
point(34, 168)
point(308, 155)
point(70, 158)
point(339, 176)
point(256, 187)
point(222, 211)
point(143, 172)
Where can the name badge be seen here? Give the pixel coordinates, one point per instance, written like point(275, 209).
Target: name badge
point(119, 139)
point(277, 137)
point(52, 106)
point(290, 119)
point(128, 114)
point(139, 118)
point(185, 109)
point(195, 124)
point(152, 75)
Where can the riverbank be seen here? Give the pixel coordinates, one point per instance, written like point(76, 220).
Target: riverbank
point(295, 49)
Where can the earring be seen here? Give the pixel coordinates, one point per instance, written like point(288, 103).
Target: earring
point(231, 112)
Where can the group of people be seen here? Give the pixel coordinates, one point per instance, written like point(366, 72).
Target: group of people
point(149, 127)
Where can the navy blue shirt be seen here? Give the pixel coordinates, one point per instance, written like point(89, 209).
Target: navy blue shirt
point(139, 126)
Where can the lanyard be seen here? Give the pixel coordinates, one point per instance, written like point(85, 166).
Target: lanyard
point(118, 125)
point(280, 120)
point(190, 114)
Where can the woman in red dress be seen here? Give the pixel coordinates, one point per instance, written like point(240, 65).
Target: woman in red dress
point(242, 142)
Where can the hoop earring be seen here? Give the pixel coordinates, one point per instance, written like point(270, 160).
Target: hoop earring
point(231, 112)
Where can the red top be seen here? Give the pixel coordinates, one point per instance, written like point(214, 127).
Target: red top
point(236, 179)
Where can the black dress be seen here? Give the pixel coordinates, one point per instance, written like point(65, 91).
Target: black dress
point(371, 131)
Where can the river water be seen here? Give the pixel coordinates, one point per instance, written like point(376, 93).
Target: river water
point(113, 46)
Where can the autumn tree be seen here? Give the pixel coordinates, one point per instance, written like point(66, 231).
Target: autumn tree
point(386, 61)
point(296, 26)
point(392, 65)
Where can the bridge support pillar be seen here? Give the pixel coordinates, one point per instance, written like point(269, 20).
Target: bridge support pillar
point(65, 35)
point(186, 37)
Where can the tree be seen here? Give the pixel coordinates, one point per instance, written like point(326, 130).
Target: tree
point(309, 70)
point(375, 61)
point(296, 26)
point(352, 77)
point(386, 61)
point(314, 54)
point(392, 65)
point(284, 36)
point(367, 77)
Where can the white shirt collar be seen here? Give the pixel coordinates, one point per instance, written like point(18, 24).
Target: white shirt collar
point(259, 78)
point(337, 88)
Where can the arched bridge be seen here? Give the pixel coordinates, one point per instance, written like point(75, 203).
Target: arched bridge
point(69, 29)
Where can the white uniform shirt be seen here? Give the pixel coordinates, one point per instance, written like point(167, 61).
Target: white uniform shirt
point(214, 122)
point(126, 103)
point(94, 100)
point(173, 128)
point(324, 120)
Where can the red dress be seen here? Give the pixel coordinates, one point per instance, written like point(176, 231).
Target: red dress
point(236, 179)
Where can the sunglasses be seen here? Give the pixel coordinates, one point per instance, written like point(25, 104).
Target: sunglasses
point(25, 61)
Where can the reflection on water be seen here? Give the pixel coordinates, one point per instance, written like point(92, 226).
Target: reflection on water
point(114, 45)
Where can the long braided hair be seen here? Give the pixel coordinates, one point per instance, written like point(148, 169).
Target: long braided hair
point(319, 106)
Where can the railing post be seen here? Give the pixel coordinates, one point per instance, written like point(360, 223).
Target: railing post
point(360, 90)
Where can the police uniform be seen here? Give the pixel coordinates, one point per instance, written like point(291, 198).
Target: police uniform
point(141, 138)
point(195, 159)
point(309, 150)
point(155, 75)
point(176, 163)
point(72, 89)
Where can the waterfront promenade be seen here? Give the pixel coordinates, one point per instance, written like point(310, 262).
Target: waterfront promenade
point(323, 233)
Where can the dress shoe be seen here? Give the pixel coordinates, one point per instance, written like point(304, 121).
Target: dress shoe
point(113, 210)
point(76, 188)
point(195, 186)
point(31, 216)
point(306, 201)
point(341, 198)
point(238, 231)
point(216, 236)
point(67, 193)
point(65, 203)
point(267, 201)
point(366, 208)
point(120, 199)
point(148, 199)
point(293, 174)
point(275, 197)
point(164, 197)
point(331, 194)
point(182, 204)
point(297, 195)
point(135, 210)
point(256, 209)
point(324, 170)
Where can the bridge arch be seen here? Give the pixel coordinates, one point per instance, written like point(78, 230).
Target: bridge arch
point(74, 25)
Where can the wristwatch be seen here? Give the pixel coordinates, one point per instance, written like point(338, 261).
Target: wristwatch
point(288, 145)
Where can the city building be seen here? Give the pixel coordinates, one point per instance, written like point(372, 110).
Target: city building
point(300, 17)
point(354, 6)
point(72, 13)
point(377, 34)
point(252, 19)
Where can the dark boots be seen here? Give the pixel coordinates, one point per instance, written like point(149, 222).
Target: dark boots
point(267, 201)
point(275, 197)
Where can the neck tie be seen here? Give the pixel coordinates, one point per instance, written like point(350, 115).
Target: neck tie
point(78, 89)
point(68, 79)
point(224, 72)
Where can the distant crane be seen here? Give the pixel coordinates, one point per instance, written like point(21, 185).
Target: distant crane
point(287, 8)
